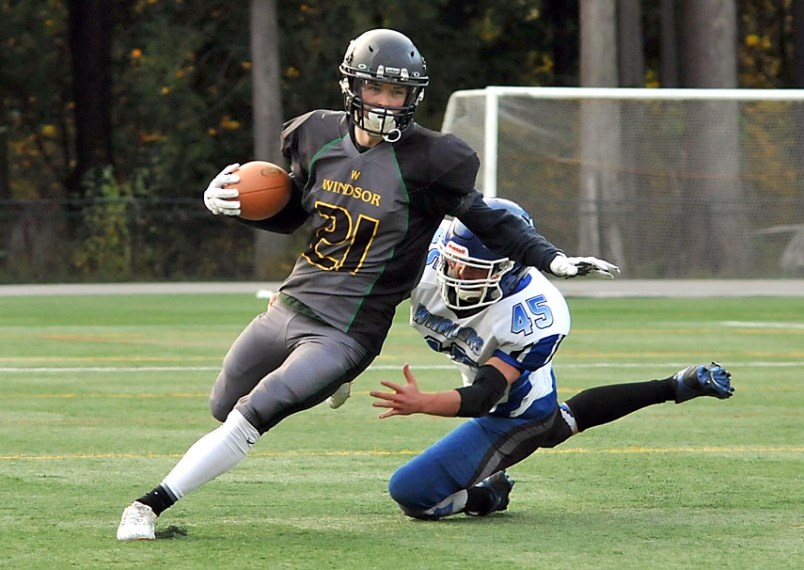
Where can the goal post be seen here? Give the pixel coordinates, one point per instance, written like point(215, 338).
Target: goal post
point(665, 182)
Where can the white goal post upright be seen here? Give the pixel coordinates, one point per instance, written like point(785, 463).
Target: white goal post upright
point(666, 182)
point(490, 144)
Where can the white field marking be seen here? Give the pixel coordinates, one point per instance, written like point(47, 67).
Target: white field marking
point(760, 325)
point(792, 364)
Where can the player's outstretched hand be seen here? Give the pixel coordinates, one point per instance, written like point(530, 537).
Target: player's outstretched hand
point(567, 267)
point(403, 401)
point(219, 200)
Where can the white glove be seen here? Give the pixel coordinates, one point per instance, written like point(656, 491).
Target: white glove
point(216, 196)
point(340, 396)
point(563, 266)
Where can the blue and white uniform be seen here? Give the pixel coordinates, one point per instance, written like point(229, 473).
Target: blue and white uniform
point(524, 329)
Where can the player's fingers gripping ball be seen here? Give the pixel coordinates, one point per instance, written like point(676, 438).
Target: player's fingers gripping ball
point(220, 200)
point(263, 190)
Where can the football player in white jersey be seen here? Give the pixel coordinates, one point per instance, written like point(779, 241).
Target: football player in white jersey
point(501, 323)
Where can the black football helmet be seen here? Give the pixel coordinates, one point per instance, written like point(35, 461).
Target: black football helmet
point(384, 56)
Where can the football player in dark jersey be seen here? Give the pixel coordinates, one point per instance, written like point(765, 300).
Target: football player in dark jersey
point(375, 186)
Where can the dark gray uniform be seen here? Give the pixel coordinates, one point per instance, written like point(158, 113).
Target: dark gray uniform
point(374, 212)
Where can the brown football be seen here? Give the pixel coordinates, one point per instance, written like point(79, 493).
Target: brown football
point(265, 189)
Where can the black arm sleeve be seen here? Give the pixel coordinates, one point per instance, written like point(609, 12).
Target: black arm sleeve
point(507, 234)
point(480, 397)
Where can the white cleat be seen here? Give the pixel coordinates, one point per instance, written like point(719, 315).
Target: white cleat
point(340, 396)
point(138, 523)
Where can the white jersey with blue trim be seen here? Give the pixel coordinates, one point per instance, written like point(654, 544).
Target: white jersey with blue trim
point(523, 329)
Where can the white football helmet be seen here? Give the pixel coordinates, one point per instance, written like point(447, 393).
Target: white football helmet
point(469, 275)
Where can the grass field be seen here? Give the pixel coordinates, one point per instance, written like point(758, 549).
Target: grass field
point(101, 396)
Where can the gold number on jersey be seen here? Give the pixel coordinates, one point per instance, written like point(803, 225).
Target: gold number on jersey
point(341, 241)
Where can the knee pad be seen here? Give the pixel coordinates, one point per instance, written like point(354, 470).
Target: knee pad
point(220, 406)
point(218, 411)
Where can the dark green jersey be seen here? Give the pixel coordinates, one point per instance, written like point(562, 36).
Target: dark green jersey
point(373, 214)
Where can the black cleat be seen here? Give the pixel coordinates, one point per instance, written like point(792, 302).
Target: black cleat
point(500, 485)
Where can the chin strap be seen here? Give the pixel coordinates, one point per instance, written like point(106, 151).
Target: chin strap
point(392, 136)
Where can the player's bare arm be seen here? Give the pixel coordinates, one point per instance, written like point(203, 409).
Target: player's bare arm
point(407, 399)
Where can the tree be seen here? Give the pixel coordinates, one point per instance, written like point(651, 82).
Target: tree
point(629, 190)
point(798, 43)
point(177, 85)
point(714, 226)
point(630, 51)
point(798, 80)
point(91, 24)
point(560, 26)
point(668, 65)
point(600, 188)
point(267, 122)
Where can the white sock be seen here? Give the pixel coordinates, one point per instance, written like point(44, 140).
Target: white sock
point(212, 455)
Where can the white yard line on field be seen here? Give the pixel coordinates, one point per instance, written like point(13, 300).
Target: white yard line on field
point(761, 325)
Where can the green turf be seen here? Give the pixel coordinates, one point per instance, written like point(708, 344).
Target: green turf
point(102, 395)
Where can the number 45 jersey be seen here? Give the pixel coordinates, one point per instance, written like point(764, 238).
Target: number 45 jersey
point(523, 329)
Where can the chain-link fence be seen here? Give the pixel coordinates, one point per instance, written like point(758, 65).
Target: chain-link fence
point(129, 239)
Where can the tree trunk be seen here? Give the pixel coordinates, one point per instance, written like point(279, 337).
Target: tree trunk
point(599, 232)
point(715, 224)
point(632, 126)
point(797, 10)
point(630, 52)
point(668, 59)
point(709, 43)
point(268, 118)
point(562, 18)
point(5, 187)
point(91, 24)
